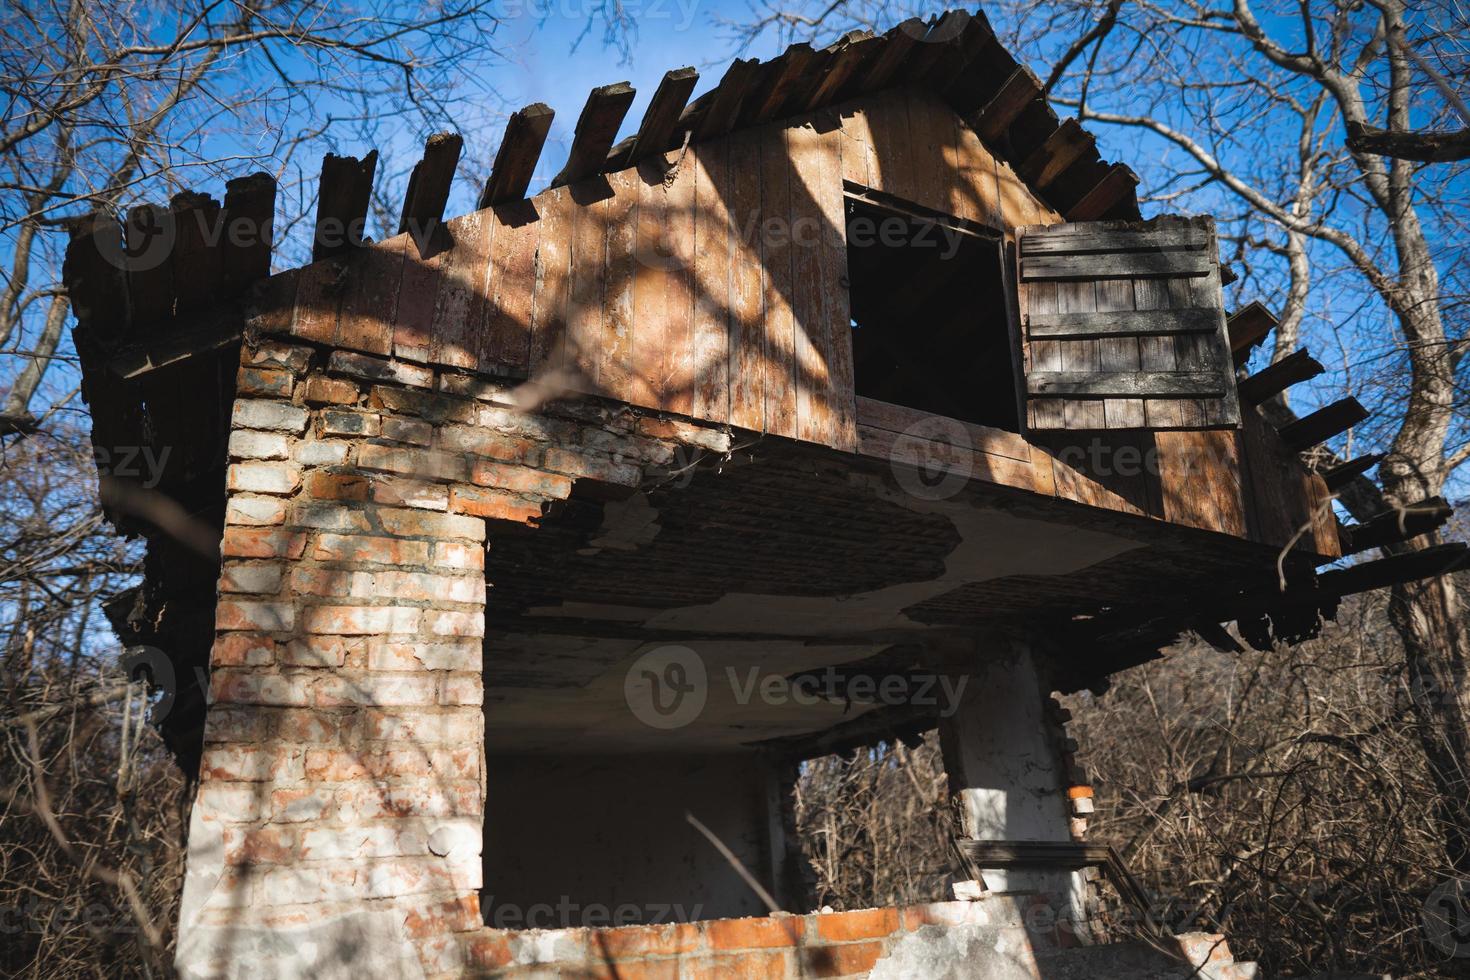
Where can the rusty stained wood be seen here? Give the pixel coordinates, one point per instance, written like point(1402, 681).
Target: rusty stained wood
point(515, 160)
point(661, 119)
point(596, 128)
point(505, 339)
point(344, 190)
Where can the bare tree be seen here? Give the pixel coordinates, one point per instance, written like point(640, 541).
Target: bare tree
point(1245, 111)
point(109, 104)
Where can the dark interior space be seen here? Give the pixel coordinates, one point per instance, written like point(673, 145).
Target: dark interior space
point(929, 315)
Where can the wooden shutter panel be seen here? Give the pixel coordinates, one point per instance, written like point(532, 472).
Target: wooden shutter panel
point(1124, 326)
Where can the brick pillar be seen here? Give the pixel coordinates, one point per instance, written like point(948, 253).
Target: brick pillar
point(338, 826)
point(338, 823)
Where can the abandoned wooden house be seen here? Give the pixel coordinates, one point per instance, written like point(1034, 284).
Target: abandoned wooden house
point(503, 573)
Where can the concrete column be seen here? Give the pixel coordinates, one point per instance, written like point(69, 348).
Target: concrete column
point(1004, 764)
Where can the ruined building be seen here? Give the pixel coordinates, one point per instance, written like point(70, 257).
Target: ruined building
point(848, 400)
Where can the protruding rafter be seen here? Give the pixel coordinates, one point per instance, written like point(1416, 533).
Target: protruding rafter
point(597, 126)
point(342, 204)
point(428, 188)
point(515, 161)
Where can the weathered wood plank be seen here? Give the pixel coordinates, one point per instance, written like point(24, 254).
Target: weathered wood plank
point(596, 129)
point(911, 450)
point(656, 134)
point(1117, 265)
point(245, 249)
point(1080, 356)
point(808, 151)
point(1117, 346)
point(1200, 480)
point(973, 191)
point(1098, 237)
point(851, 51)
point(891, 145)
point(859, 164)
point(505, 341)
point(747, 295)
point(1190, 355)
point(345, 187)
point(371, 302)
point(720, 115)
point(1338, 476)
point(774, 87)
point(931, 128)
point(1018, 91)
point(1323, 424)
point(515, 160)
point(1117, 186)
point(779, 367)
point(1056, 153)
point(676, 373)
point(1294, 368)
point(836, 322)
point(585, 335)
point(1247, 327)
point(713, 243)
point(150, 284)
point(197, 268)
point(1125, 322)
point(464, 284)
point(900, 418)
point(553, 276)
point(628, 341)
point(898, 44)
point(1144, 384)
point(428, 188)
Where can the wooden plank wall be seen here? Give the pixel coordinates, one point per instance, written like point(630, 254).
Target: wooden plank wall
point(712, 283)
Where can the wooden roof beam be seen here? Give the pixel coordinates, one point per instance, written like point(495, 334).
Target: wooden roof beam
point(718, 116)
point(661, 120)
point(1394, 570)
point(428, 188)
point(250, 209)
point(1248, 326)
point(1118, 186)
point(1015, 94)
point(779, 79)
point(597, 127)
point(1323, 424)
point(847, 57)
point(515, 161)
point(1067, 144)
point(1340, 475)
point(1397, 525)
point(342, 203)
point(898, 45)
point(1294, 368)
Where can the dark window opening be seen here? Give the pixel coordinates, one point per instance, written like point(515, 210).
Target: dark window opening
point(931, 327)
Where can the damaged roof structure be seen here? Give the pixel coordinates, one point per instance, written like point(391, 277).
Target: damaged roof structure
point(486, 552)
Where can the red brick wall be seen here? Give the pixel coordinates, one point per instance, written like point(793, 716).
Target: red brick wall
point(343, 773)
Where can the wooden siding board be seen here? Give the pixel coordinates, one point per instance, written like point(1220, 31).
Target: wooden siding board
point(676, 375)
point(858, 163)
point(624, 367)
point(892, 146)
point(713, 258)
point(931, 129)
point(505, 343)
point(809, 306)
point(1118, 353)
point(974, 194)
point(552, 277)
point(779, 362)
point(836, 323)
point(366, 322)
point(1200, 477)
point(1156, 354)
point(1080, 356)
point(464, 281)
point(747, 295)
point(584, 336)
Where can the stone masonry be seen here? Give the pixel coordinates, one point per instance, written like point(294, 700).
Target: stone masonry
point(338, 821)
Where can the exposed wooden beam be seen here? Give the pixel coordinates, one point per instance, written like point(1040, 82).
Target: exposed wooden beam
point(1396, 525)
point(1016, 93)
point(1057, 152)
point(898, 45)
point(1294, 368)
point(1340, 475)
point(656, 133)
point(848, 55)
point(1117, 186)
point(197, 268)
point(342, 204)
point(1247, 327)
point(150, 281)
point(428, 189)
point(515, 161)
point(974, 38)
point(596, 129)
point(250, 208)
point(1323, 424)
point(719, 115)
point(778, 79)
point(946, 29)
point(1395, 569)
